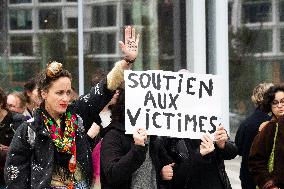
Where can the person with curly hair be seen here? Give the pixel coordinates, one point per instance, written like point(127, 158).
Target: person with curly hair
point(267, 150)
point(247, 130)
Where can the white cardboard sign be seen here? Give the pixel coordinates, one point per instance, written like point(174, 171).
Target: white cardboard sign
point(176, 104)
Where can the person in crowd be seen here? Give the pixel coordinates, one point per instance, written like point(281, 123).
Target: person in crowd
point(52, 150)
point(127, 161)
point(31, 94)
point(105, 116)
point(248, 130)
point(195, 163)
point(17, 102)
point(9, 122)
point(74, 95)
point(267, 151)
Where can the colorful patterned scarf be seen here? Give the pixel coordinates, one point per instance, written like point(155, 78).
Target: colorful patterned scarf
point(64, 140)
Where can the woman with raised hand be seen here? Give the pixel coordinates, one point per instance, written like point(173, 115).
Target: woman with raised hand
point(52, 150)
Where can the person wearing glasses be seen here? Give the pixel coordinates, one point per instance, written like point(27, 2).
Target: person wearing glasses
point(9, 122)
point(248, 130)
point(267, 151)
point(17, 102)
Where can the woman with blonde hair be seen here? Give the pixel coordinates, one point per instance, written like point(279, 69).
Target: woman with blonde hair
point(248, 130)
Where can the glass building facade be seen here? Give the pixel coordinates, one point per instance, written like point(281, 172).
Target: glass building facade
point(256, 49)
point(38, 31)
point(35, 32)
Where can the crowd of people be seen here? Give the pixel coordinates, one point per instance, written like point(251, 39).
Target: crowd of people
point(51, 138)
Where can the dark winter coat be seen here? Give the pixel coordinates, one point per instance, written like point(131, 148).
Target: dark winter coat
point(8, 127)
point(120, 158)
point(260, 153)
point(30, 159)
point(193, 171)
point(244, 138)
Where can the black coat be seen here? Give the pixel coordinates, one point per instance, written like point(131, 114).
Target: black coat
point(8, 127)
point(193, 171)
point(244, 138)
point(120, 158)
point(30, 159)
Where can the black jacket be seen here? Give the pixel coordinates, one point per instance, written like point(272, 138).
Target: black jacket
point(244, 138)
point(191, 170)
point(31, 156)
point(120, 158)
point(8, 127)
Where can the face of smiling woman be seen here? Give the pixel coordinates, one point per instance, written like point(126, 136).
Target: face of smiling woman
point(57, 97)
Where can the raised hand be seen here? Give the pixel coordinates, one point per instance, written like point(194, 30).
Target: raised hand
point(207, 145)
point(130, 45)
point(221, 137)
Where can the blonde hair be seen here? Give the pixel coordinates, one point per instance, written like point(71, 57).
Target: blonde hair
point(258, 92)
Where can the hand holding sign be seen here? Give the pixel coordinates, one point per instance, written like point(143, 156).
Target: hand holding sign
point(140, 137)
point(207, 145)
point(130, 45)
point(167, 172)
point(221, 137)
point(172, 103)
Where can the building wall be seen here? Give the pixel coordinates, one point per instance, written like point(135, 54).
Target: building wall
point(39, 31)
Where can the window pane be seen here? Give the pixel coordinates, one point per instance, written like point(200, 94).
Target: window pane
point(104, 16)
point(166, 30)
point(282, 40)
point(21, 45)
point(281, 10)
point(50, 19)
point(71, 0)
point(3, 18)
point(72, 22)
point(72, 44)
point(20, 1)
point(52, 47)
point(48, 1)
point(20, 19)
point(95, 69)
point(23, 70)
point(262, 40)
point(127, 14)
point(256, 11)
point(103, 43)
point(244, 75)
point(230, 7)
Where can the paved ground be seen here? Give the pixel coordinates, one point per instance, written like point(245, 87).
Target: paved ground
point(233, 169)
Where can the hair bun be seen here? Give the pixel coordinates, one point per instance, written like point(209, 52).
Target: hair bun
point(53, 68)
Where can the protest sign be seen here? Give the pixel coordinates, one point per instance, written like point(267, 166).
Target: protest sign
point(176, 104)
